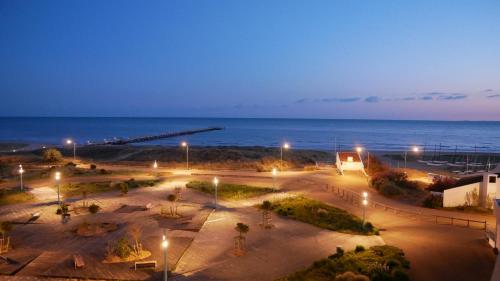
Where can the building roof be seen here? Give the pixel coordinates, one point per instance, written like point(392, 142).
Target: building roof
point(343, 156)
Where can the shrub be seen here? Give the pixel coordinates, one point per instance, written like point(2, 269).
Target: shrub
point(389, 189)
point(70, 165)
point(433, 201)
point(93, 166)
point(52, 155)
point(104, 172)
point(359, 248)
point(242, 228)
point(94, 208)
point(439, 184)
point(122, 248)
point(123, 186)
point(266, 205)
point(375, 166)
point(391, 182)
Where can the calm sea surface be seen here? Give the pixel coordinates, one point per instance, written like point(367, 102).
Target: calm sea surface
point(301, 133)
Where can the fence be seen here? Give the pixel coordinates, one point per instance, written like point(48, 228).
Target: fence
point(355, 198)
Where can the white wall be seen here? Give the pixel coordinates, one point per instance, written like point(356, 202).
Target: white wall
point(456, 196)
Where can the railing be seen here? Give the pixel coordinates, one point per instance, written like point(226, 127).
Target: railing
point(355, 198)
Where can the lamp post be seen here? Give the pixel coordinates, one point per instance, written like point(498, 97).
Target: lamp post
point(21, 171)
point(164, 245)
point(285, 146)
point(275, 172)
point(414, 149)
point(155, 168)
point(69, 141)
point(365, 203)
point(185, 144)
point(216, 183)
point(58, 182)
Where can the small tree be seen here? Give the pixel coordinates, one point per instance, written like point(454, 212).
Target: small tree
point(123, 188)
point(240, 239)
point(266, 207)
point(94, 208)
point(5, 228)
point(172, 198)
point(135, 232)
point(52, 155)
point(93, 166)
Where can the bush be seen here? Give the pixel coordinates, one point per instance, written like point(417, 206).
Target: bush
point(94, 208)
point(93, 166)
point(378, 263)
point(104, 172)
point(433, 201)
point(52, 155)
point(359, 248)
point(122, 248)
point(375, 166)
point(439, 184)
point(392, 183)
point(123, 186)
point(70, 165)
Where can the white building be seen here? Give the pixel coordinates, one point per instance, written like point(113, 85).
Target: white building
point(349, 161)
point(475, 190)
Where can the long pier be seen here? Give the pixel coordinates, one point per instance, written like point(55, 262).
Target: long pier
point(162, 136)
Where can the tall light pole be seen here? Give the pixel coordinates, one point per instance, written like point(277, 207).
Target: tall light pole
point(185, 144)
point(216, 183)
point(365, 203)
point(21, 171)
point(164, 245)
point(275, 172)
point(69, 141)
point(58, 182)
point(414, 149)
point(285, 146)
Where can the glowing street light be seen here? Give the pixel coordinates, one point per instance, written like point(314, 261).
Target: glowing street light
point(415, 149)
point(185, 144)
point(155, 165)
point(285, 146)
point(21, 171)
point(70, 141)
point(216, 183)
point(57, 177)
point(359, 149)
point(164, 245)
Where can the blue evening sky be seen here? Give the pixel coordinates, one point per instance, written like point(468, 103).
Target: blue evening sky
point(299, 59)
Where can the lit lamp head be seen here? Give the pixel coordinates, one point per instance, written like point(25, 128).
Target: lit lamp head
point(164, 244)
point(275, 171)
point(155, 165)
point(415, 149)
point(58, 176)
point(69, 141)
point(286, 145)
point(21, 170)
point(184, 144)
point(359, 149)
point(365, 202)
point(365, 194)
point(216, 181)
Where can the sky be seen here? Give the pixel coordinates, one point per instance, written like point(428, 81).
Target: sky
point(424, 60)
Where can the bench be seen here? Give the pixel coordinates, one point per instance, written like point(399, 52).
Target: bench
point(144, 264)
point(148, 206)
point(78, 261)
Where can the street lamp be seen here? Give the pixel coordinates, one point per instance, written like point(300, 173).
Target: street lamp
point(275, 172)
point(69, 141)
point(359, 149)
point(415, 149)
point(285, 146)
point(216, 183)
point(58, 182)
point(164, 245)
point(185, 144)
point(155, 168)
point(21, 171)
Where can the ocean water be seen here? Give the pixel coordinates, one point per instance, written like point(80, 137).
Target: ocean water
point(300, 133)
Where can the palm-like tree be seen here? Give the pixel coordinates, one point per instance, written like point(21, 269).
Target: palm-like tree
point(172, 198)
